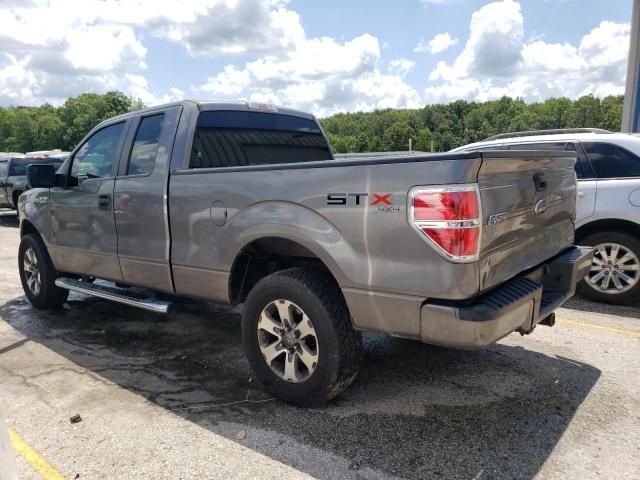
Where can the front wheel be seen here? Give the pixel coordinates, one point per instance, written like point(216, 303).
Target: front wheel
point(298, 337)
point(615, 269)
point(38, 275)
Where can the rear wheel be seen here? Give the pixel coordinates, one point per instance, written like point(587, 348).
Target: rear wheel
point(38, 275)
point(298, 337)
point(615, 269)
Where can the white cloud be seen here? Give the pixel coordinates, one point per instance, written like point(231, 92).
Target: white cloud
point(401, 66)
point(437, 44)
point(319, 75)
point(497, 60)
point(53, 49)
point(58, 48)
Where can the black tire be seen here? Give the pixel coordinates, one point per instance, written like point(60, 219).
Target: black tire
point(339, 345)
point(629, 297)
point(48, 295)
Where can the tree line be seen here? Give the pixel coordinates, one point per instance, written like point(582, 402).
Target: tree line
point(25, 129)
point(446, 126)
point(439, 127)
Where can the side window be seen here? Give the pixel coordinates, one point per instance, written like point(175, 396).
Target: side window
point(95, 157)
point(537, 146)
point(18, 168)
point(236, 138)
point(145, 146)
point(612, 161)
point(3, 169)
point(583, 169)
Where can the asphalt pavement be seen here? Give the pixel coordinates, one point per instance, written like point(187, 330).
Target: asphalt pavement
point(172, 397)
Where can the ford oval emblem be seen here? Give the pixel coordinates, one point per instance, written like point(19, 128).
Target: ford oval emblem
point(540, 207)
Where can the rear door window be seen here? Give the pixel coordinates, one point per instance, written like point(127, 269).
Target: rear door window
point(145, 146)
point(583, 168)
point(611, 161)
point(237, 138)
point(19, 167)
point(3, 169)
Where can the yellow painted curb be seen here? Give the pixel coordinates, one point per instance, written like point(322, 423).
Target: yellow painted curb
point(33, 458)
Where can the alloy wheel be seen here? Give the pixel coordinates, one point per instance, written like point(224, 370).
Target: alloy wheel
point(31, 271)
point(288, 341)
point(614, 269)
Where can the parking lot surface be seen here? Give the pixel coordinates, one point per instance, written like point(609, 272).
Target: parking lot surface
point(172, 397)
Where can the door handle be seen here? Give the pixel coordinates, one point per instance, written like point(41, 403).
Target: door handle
point(540, 182)
point(104, 201)
point(580, 194)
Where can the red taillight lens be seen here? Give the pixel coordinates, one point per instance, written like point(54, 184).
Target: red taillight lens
point(449, 217)
point(459, 242)
point(446, 206)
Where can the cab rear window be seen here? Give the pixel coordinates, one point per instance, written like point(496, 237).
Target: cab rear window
point(237, 138)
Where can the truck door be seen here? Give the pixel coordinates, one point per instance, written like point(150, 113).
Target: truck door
point(587, 185)
point(84, 230)
point(140, 200)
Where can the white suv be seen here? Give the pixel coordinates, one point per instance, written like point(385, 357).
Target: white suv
point(608, 209)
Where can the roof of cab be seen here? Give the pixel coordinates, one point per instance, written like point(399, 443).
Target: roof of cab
point(208, 105)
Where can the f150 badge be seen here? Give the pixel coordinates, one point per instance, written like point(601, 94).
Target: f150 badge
point(497, 218)
point(382, 201)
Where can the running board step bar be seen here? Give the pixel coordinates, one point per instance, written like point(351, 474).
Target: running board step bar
point(114, 294)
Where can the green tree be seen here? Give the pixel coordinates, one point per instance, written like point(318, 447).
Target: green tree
point(586, 112)
point(422, 140)
point(396, 137)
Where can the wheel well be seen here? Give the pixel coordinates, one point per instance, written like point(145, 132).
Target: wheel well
point(610, 224)
point(16, 194)
point(265, 256)
point(27, 228)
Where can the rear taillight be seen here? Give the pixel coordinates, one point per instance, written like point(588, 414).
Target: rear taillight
point(449, 218)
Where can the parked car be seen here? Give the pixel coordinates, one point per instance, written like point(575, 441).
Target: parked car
point(608, 209)
point(13, 174)
point(245, 204)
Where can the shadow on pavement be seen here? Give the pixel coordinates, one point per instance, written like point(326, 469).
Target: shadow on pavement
point(415, 411)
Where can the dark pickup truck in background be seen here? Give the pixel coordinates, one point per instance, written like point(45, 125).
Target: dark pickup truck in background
point(13, 174)
point(245, 204)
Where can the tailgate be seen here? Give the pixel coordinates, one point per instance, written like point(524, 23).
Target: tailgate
point(528, 206)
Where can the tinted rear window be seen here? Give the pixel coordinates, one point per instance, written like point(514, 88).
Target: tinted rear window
point(612, 161)
point(232, 139)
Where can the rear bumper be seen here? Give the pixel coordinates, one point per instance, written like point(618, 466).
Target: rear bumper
point(516, 305)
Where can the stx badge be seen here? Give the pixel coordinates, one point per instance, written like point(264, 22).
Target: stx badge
point(381, 200)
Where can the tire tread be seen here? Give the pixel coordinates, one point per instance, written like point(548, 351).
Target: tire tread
point(321, 286)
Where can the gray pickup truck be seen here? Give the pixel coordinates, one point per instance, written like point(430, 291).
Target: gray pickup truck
point(245, 204)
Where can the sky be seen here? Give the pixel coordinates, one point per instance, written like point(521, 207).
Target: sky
point(319, 56)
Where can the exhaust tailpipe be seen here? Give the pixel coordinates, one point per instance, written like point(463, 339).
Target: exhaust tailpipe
point(549, 321)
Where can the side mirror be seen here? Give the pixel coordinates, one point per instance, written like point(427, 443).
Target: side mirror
point(41, 176)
